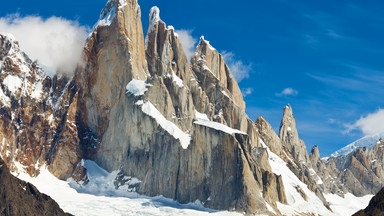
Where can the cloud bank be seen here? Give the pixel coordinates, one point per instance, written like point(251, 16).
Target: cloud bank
point(288, 92)
point(55, 42)
point(371, 124)
point(239, 69)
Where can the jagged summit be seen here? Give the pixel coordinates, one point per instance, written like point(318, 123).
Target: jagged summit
point(109, 12)
point(289, 136)
point(204, 42)
point(154, 16)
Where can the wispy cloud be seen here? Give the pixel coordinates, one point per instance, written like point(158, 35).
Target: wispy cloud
point(371, 124)
point(247, 91)
point(239, 69)
point(187, 41)
point(332, 34)
point(55, 42)
point(287, 92)
point(358, 79)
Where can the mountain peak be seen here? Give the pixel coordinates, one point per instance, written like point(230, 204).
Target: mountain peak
point(289, 136)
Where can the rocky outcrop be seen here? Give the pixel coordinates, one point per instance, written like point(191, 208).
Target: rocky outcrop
point(20, 198)
point(34, 120)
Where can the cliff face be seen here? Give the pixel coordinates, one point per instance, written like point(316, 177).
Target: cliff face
point(36, 121)
point(155, 119)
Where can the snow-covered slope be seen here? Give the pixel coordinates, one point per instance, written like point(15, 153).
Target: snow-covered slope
point(99, 196)
point(367, 141)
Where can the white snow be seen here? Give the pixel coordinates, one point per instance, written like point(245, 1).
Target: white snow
point(289, 129)
point(202, 119)
point(177, 80)
point(205, 67)
point(38, 91)
point(13, 83)
point(315, 176)
point(225, 94)
point(107, 15)
point(137, 87)
point(367, 141)
point(347, 205)
point(101, 182)
point(122, 3)
point(154, 17)
point(296, 202)
point(4, 99)
point(82, 204)
point(207, 42)
point(201, 116)
point(169, 126)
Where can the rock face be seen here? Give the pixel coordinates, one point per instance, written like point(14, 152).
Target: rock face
point(20, 198)
point(144, 112)
point(35, 123)
point(375, 207)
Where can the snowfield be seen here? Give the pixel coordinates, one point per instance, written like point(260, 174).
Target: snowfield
point(103, 199)
point(367, 141)
point(100, 197)
point(296, 204)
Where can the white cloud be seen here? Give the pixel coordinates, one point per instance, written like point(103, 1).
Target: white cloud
point(55, 42)
point(187, 41)
point(239, 69)
point(371, 124)
point(247, 91)
point(288, 92)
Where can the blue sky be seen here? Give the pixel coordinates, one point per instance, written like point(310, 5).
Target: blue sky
point(325, 58)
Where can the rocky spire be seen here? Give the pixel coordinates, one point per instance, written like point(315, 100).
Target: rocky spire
point(114, 55)
point(290, 138)
point(314, 155)
point(208, 60)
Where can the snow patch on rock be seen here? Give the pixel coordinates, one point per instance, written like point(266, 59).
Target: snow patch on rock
point(202, 119)
point(13, 83)
point(154, 17)
point(177, 80)
point(107, 16)
point(168, 126)
point(137, 87)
